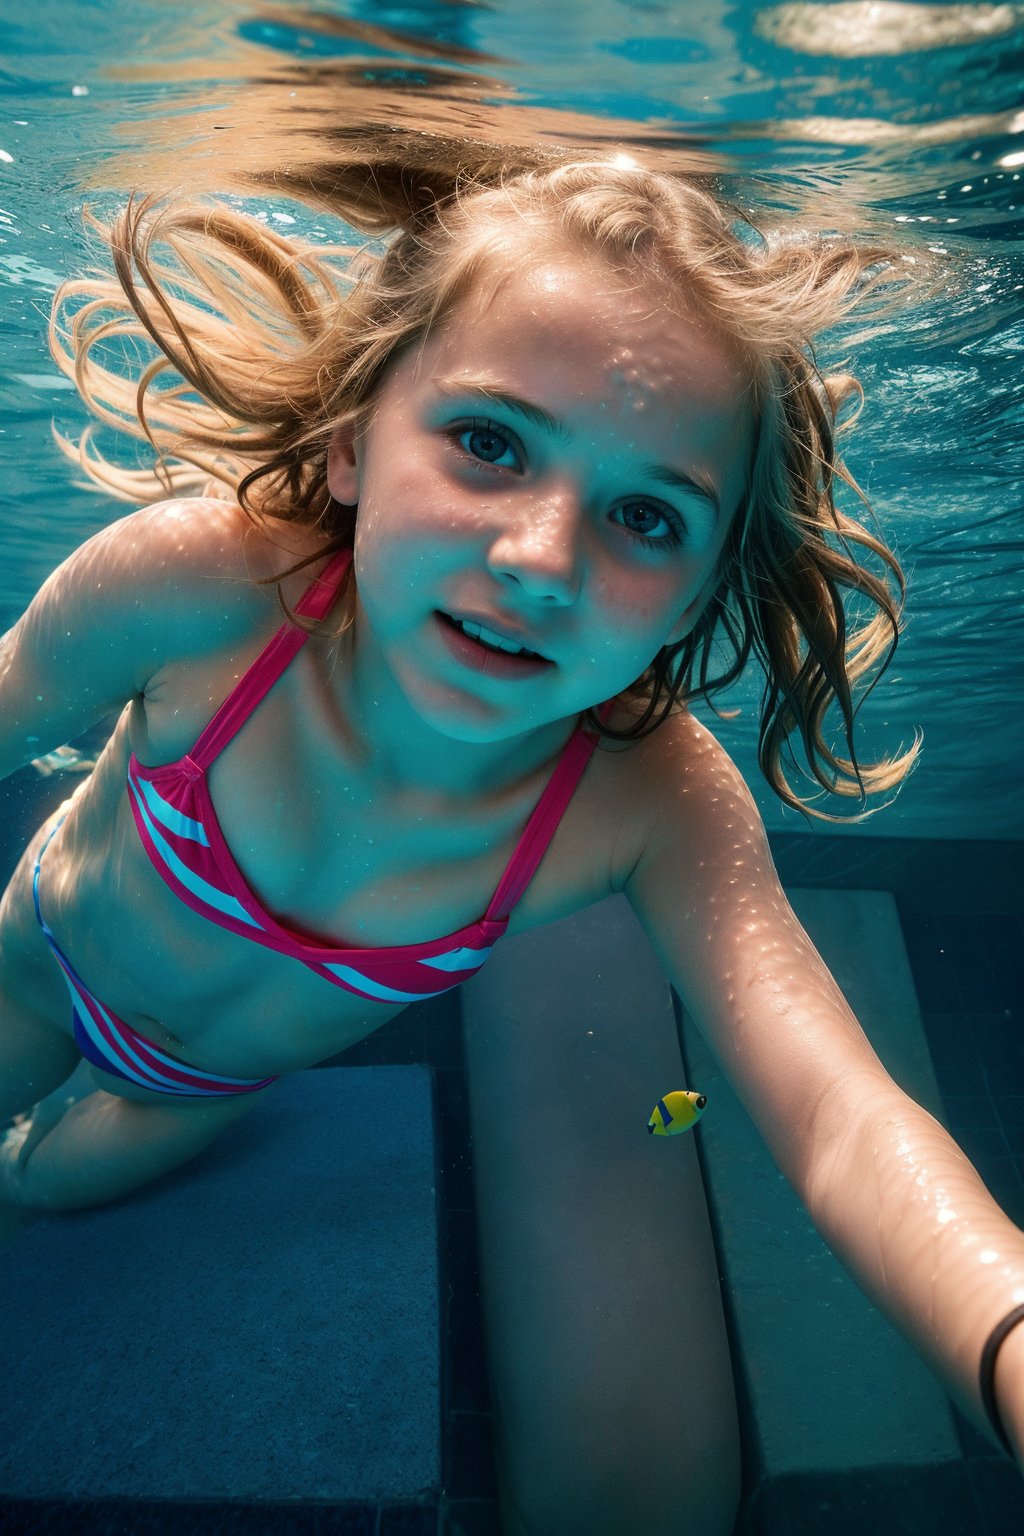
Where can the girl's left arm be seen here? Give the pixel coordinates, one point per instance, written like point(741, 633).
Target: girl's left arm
point(885, 1185)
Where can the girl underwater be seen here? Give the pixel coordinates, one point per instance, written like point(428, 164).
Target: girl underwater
point(509, 472)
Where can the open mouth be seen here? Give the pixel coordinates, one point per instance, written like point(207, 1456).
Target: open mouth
point(479, 648)
point(489, 639)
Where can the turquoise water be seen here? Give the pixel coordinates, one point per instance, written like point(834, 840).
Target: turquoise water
point(851, 117)
point(871, 119)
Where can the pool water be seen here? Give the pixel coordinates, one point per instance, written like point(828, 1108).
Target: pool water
point(880, 120)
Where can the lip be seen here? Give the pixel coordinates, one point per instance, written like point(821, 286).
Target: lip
point(480, 658)
point(500, 627)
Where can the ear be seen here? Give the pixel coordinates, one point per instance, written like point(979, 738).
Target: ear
point(342, 465)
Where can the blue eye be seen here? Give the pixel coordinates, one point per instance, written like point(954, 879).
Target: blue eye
point(652, 514)
point(485, 443)
point(482, 442)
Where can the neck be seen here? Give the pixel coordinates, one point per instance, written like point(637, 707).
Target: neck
point(400, 753)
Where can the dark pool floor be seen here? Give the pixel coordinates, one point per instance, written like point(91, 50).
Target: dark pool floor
point(961, 907)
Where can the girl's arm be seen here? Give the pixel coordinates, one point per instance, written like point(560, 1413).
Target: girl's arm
point(885, 1185)
point(100, 627)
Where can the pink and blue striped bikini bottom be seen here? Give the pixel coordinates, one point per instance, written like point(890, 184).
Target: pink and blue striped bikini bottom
point(112, 1045)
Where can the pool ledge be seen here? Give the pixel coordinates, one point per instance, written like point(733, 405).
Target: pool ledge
point(842, 1422)
point(261, 1327)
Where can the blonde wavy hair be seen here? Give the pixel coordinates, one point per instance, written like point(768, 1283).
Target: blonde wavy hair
point(263, 344)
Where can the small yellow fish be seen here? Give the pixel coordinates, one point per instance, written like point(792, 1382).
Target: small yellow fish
point(676, 1112)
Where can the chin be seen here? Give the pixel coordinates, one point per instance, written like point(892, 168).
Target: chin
point(480, 733)
point(475, 721)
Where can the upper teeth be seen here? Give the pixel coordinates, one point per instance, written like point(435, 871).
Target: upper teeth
point(480, 633)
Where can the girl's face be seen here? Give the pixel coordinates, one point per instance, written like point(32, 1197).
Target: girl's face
point(558, 463)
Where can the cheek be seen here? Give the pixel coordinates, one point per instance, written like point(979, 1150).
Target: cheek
point(416, 495)
point(647, 605)
point(389, 516)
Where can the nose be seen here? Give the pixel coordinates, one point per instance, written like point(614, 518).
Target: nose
point(540, 546)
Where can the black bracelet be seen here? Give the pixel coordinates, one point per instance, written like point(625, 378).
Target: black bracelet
point(988, 1372)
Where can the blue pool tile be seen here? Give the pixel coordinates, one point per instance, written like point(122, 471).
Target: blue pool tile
point(947, 1032)
point(458, 1178)
point(980, 991)
point(894, 1501)
point(957, 1064)
point(471, 1517)
point(1000, 1495)
point(982, 1143)
point(1002, 1176)
point(973, 1443)
point(116, 1517)
point(408, 1520)
point(1005, 948)
point(1011, 1110)
point(1014, 1136)
point(970, 1111)
point(963, 941)
point(995, 1037)
point(472, 1460)
point(936, 979)
point(469, 1390)
point(1005, 1078)
point(972, 961)
point(931, 949)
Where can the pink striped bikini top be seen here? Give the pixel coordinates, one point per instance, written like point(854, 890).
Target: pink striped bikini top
point(179, 829)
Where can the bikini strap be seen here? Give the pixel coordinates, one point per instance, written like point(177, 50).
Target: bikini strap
point(274, 659)
point(548, 812)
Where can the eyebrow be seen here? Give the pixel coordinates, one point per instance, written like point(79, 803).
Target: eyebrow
point(539, 417)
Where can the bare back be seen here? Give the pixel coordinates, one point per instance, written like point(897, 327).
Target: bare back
point(316, 841)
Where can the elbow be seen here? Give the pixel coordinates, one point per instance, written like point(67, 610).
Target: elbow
point(841, 1138)
point(868, 1135)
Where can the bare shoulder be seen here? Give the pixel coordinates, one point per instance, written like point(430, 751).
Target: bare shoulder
point(694, 800)
point(704, 875)
point(168, 584)
point(198, 570)
point(171, 580)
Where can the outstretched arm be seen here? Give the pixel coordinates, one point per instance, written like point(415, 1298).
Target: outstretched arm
point(885, 1185)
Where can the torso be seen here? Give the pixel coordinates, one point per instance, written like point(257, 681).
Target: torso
point(320, 850)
